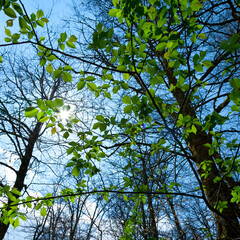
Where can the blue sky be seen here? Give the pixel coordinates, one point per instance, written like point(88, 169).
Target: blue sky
point(58, 9)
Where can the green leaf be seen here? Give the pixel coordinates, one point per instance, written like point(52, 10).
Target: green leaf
point(102, 155)
point(224, 45)
point(38, 206)
point(49, 103)
point(15, 37)
point(126, 99)
point(33, 17)
point(108, 76)
point(31, 112)
point(7, 39)
point(57, 73)
point(1, 59)
point(40, 13)
point(235, 83)
point(72, 38)
point(10, 12)
point(81, 85)
point(194, 129)
point(67, 77)
point(152, 12)
point(92, 87)
point(113, 12)
point(161, 46)
point(75, 171)
point(128, 109)
point(74, 120)
point(198, 67)
point(234, 38)
point(202, 35)
point(194, 38)
point(40, 23)
point(8, 32)
point(58, 102)
point(196, 5)
point(90, 78)
point(17, 7)
point(50, 125)
point(45, 20)
point(100, 118)
point(51, 58)
point(43, 212)
point(66, 135)
point(207, 63)
point(63, 37)
point(49, 68)
point(62, 46)
point(41, 104)
point(96, 125)
point(105, 86)
point(70, 44)
point(44, 119)
point(196, 58)
point(16, 223)
point(24, 218)
point(67, 68)
point(16, 192)
point(99, 27)
point(126, 76)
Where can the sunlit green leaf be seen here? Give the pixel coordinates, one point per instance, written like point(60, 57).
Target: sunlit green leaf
point(40, 14)
point(92, 86)
point(81, 85)
point(43, 212)
point(67, 77)
point(126, 99)
point(31, 112)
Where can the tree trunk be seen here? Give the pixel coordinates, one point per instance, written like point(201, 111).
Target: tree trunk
point(22, 172)
point(176, 221)
point(227, 227)
point(153, 232)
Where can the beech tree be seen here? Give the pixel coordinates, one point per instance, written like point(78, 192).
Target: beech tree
point(176, 71)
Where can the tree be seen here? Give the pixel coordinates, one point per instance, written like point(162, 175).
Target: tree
point(177, 73)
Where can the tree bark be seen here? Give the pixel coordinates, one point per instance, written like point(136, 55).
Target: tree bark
point(22, 172)
point(227, 227)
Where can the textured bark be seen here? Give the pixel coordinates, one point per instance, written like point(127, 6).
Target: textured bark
point(22, 172)
point(227, 227)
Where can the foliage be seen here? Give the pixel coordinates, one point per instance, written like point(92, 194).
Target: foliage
point(177, 97)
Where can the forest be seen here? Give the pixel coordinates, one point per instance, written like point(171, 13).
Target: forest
point(120, 120)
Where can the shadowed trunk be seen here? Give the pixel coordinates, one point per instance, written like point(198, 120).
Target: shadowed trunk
point(22, 172)
point(229, 225)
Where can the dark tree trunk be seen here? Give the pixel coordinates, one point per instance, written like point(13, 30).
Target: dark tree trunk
point(227, 226)
point(22, 172)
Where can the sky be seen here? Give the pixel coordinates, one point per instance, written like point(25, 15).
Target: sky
point(57, 9)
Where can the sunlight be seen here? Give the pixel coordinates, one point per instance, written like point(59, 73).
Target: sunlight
point(64, 115)
point(66, 112)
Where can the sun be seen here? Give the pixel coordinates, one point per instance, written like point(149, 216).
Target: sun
point(66, 112)
point(64, 115)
